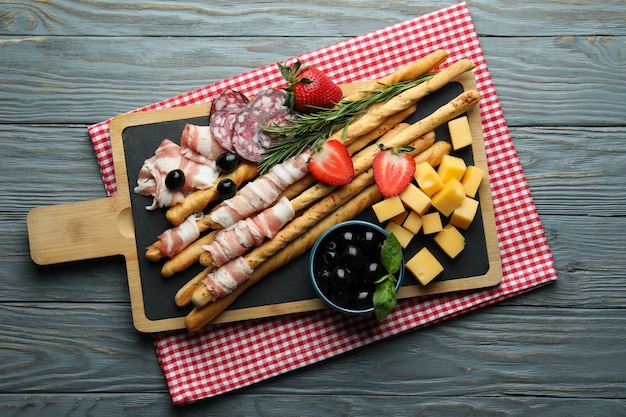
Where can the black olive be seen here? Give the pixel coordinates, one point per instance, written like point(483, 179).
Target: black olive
point(353, 258)
point(226, 188)
point(175, 180)
point(341, 278)
point(227, 162)
point(372, 272)
point(362, 298)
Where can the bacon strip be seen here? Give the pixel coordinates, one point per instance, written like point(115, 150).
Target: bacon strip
point(226, 278)
point(236, 239)
point(262, 192)
point(177, 238)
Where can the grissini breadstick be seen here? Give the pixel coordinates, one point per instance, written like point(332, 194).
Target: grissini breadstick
point(411, 71)
point(187, 257)
point(371, 119)
point(183, 295)
point(198, 200)
point(434, 153)
point(390, 124)
point(199, 317)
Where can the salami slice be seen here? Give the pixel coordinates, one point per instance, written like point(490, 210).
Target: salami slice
point(270, 100)
point(229, 100)
point(280, 118)
point(247, 131)
point(224, 110)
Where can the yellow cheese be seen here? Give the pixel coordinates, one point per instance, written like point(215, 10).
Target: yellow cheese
point(431, 223)
point(400, 217)
point(471, 180)
point(404, 236)
point(451, 167)
point(450, 240)
point(463, 216)
point(449, 197)
point(413, 222)
point(427, 178)
point(424, 266)
point(415, 199)
point(460, 134)
point(388, 208)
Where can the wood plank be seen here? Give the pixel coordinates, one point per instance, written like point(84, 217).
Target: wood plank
point(150, 404)
point(91, 79)
point(306, 18)
point(500, 349)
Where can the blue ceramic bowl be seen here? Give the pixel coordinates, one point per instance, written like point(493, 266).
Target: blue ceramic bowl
point(343, 276)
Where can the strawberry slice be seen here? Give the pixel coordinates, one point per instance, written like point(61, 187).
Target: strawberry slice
point(393, 169)
point(331, 163)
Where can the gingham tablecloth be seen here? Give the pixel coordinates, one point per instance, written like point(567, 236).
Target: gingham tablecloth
point(226, 357)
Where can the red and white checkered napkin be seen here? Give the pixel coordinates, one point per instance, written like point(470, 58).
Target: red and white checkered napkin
point(229, 356)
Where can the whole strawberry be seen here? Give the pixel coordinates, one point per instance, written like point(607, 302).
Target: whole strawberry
point(309, 89)
point(393, 169)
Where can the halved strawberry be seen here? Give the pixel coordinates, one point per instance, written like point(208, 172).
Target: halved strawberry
point(309, 88)
point(394, 169)
point(331, 163)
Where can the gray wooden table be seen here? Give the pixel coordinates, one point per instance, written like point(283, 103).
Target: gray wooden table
point(67, 344)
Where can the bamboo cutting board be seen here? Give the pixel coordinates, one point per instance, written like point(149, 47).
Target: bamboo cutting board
point(120, 225)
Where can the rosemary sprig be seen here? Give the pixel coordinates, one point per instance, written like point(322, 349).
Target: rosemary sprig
point(309, 130)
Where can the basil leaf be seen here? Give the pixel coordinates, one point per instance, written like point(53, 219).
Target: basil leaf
point(384, 299)
point(391, 254)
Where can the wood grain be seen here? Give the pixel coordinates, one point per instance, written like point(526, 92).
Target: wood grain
point(66, 340)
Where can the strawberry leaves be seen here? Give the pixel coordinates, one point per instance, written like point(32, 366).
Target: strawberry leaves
point(331, 163)
point(394, 169)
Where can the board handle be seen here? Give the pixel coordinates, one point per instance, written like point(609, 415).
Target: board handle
point(84, 230)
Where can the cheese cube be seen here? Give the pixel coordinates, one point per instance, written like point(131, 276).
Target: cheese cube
point(415, 199)
point(451, 167)
point(431, 223)
point(400, 217)
point(413, 222)
point(427, 178)
point(388, 208)
point(463, 216)
point(424, 266)
point(404, 236)
point(450, 240)
point(449, 197)
point(460, 133)
point(471, 180)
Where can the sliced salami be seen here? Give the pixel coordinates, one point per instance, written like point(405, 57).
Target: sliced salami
point(229, 100)
point(270, 100)
point(222, 123)
point(279, 118)
point(247, 131)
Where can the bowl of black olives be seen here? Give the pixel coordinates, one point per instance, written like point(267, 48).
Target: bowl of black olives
point(356, 268)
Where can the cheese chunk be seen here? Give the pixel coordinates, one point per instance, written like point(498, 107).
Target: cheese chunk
point(463, 216)
point(424, 266)
point(451, 167)
point(413, 222)
point(450, 240)
point(388, 208)
point(400, 217)
point(404, 236)
point(471, 180)
point(427, 178)
point(449, 197)
point(415, 199)
point(431, 223)
point(460, 133)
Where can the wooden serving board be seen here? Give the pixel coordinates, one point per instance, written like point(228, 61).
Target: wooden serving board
point(120, 225)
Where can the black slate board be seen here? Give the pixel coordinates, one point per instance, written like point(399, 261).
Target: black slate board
point(290, 282)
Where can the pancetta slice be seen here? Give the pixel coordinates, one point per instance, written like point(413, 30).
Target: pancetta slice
point(177, 238)
point(259, 194)
point(236, 239)
point(226, 278)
